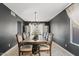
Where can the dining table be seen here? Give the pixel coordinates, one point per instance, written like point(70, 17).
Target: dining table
point(35, 44)
point(31, 41)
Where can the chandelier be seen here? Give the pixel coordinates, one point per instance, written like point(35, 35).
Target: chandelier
point(36, 23)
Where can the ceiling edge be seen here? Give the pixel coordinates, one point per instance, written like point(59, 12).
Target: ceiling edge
point(60, 11)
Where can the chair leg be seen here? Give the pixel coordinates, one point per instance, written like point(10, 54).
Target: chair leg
point(19, 53)
point(50, 49)
point(39, 53)
point(22, 53)
point(50, 53)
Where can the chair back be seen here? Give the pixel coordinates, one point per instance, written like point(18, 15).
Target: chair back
point(50, 38)
point(45, 36)
point(24, 36)
point(19, 38)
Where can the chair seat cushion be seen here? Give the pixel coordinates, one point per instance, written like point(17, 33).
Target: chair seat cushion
point(44, 47)
point(26, 48)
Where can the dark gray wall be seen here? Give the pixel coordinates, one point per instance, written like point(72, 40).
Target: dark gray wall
point(8, 28)
point(60, 28)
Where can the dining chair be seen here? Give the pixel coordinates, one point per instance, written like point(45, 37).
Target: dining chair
point(23, 48)
point(24, 36)
point(47, 47)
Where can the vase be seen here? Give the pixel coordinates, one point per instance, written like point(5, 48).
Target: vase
point(35, 37)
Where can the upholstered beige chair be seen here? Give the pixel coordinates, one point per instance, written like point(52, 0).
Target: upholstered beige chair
point(47, 47)
point(22, 48)
point(24, 36)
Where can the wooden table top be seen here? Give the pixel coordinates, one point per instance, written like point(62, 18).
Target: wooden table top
point(30, 41)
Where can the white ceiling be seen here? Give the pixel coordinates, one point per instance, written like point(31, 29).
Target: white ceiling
point(45, 11)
